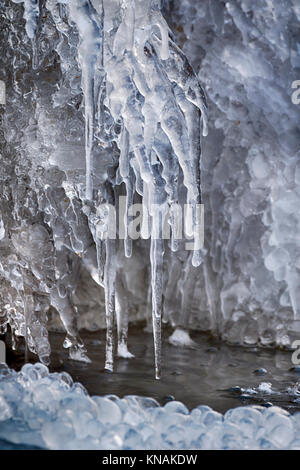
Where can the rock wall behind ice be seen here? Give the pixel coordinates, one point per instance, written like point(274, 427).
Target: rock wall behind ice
point(246, 54)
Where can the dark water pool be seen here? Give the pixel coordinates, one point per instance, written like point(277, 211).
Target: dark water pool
point(208, 374)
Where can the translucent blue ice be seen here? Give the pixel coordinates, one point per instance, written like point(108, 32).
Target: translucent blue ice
point(49, 410)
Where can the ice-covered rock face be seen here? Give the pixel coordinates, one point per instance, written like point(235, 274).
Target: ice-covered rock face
point(247, 55)
point(102, 102)
point(132, 110)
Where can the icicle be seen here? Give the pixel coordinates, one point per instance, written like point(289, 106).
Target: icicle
point(124, 154)
point(180, 71)
point(158, 20)
point(176, 225)
point(31, 17)
point(187, 293)
point(90, 27)
point(156, 258)
point(149, 326)
point(198, 225)
point(27, 315)
point(110, 302)
point(146, 220)
point(129, 182)
point(122, 311)
point(69, 316)
point(124, 37)
point(181, 335)
point(171, 306)
point(127, 175)
point(170, 167)
point(157, 208)
point(195, 222)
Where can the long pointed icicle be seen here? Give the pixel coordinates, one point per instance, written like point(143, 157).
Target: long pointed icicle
point(90, 55)
point(110, 302)
point(156, 257)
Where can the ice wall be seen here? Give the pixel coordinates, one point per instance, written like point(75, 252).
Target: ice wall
point(247, 55)
point(99, 97)
point(142, 104)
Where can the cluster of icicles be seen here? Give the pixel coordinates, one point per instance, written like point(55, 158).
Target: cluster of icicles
point(146, 85)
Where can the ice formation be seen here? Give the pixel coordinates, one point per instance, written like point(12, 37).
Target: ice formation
point(247, 54)
point(144, 106)
point(50, 411)
point(102, 102)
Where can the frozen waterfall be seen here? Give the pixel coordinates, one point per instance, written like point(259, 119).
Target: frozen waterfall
point(105, 107)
